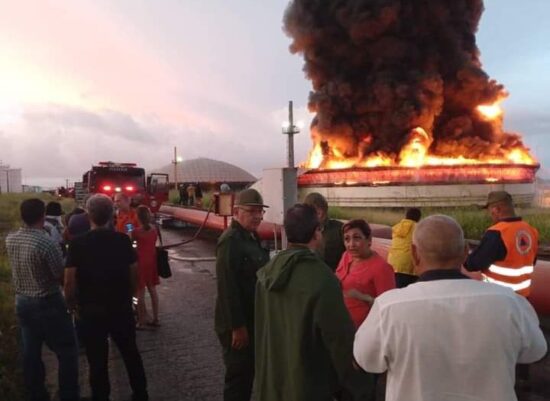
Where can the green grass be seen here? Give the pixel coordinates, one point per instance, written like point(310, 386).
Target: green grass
point(474, 222)
point(11, 386)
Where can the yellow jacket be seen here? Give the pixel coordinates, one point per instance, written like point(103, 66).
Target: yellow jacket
point(399, 255)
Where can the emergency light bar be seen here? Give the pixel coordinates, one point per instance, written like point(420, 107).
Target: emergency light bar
point(113, 164)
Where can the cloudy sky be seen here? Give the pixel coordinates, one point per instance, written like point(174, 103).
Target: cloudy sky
point(127, 80)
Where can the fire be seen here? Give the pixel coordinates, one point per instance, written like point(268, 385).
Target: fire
point(490, 111)
point(416, 153)
point(315, 157)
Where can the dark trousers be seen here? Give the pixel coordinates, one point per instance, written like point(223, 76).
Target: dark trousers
point(239, 368)
point(46, 320)
point(96, 326)
point(402, 280)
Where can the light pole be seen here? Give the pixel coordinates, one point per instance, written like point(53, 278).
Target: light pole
point(290, 129)
point(177, 159)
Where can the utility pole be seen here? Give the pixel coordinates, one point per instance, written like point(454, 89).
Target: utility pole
point(176, 160)
point(290, 129)
point(175, 168)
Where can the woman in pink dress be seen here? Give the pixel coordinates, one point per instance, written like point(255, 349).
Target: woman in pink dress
point(146, 239)
point(364, 275)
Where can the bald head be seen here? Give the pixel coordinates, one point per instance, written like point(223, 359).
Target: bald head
point(438, 243)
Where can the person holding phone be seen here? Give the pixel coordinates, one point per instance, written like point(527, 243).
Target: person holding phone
point(126, 217)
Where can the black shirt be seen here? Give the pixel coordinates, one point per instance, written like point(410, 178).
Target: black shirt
point(102, 259)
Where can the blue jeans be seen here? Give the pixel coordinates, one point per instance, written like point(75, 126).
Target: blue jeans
point(46, 320)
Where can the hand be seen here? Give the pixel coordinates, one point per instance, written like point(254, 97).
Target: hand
point(239, 338)
point(353, 293)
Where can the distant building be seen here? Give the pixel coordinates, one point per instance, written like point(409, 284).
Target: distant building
point(32, 189)
point(10, 179)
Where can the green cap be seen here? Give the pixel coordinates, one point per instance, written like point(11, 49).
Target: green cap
point(249, 197)
point(497, 196)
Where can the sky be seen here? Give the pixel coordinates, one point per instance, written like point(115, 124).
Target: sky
point(83, 81)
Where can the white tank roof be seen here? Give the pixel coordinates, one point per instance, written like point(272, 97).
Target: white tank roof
point(207, 170)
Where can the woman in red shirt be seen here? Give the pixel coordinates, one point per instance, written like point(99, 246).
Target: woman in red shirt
point(364, 275)
point(146, 238)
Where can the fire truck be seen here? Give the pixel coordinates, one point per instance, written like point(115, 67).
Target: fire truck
point(110, 178)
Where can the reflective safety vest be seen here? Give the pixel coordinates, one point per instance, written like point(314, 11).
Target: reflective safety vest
point(515, 270)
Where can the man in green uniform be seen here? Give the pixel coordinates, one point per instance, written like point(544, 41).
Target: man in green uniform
point(304, 335)
point(332, 246)
point(239, 255)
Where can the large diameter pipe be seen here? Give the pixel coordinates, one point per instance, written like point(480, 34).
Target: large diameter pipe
point(196, 217)
point(539, 298)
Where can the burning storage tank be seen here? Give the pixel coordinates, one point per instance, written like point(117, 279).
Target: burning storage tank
point(404, 113)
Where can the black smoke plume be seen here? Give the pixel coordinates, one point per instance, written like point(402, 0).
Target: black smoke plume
point(380, 68)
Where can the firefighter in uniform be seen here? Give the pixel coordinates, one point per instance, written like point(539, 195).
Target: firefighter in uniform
point(239, 255)
point(507, 254)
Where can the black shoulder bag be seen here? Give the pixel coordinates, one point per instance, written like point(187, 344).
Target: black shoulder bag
point(163, 264)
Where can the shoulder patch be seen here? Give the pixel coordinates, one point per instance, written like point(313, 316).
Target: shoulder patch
point(524, 242)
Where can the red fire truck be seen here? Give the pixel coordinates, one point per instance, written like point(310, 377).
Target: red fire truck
point(110, 178)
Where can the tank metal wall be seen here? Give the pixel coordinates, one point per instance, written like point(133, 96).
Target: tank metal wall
point(418, 195)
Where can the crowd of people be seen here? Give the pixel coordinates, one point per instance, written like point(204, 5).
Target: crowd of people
point(75, 280)
point(322, 319)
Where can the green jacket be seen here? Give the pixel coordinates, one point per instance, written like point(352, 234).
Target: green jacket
point(304, 335)
point(333, 243)
point(239, 255)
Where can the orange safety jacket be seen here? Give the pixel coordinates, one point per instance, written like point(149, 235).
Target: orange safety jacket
point(124, 218)
point(516, 269)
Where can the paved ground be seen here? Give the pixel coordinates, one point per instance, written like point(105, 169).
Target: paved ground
point(182, 358)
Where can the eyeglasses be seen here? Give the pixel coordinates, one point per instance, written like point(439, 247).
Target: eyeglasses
point(253, 210)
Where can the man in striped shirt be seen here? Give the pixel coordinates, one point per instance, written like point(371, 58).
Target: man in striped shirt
point(37, 270)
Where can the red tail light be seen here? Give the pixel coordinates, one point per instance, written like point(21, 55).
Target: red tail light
point(129, 188)
point(107, 188)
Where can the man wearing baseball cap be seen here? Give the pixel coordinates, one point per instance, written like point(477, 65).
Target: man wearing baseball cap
point(507, 252)
point(239, 255)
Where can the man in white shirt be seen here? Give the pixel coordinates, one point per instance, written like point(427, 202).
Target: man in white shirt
point(447, 337)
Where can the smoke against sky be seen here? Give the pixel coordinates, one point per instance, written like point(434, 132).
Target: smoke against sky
point(84, 81)
point(381, 69)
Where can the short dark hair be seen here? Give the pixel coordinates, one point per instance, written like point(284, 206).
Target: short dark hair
point(32, 210)
point(100, 209)
point(300, 223)
point(360, 224)
point(317, 200)
point(53, 208)
point(413, 214)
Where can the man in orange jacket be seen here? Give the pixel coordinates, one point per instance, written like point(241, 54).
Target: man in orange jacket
point(507, 252)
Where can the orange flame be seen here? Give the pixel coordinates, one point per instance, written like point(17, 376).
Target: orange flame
point(417, 153)
point(414, 153)
point(490, 111)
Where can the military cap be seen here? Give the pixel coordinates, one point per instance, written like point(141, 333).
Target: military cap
point(249, 197)
point(497, 196)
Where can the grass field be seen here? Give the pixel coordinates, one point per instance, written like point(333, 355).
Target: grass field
point(10, 374)
point(473, 221)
